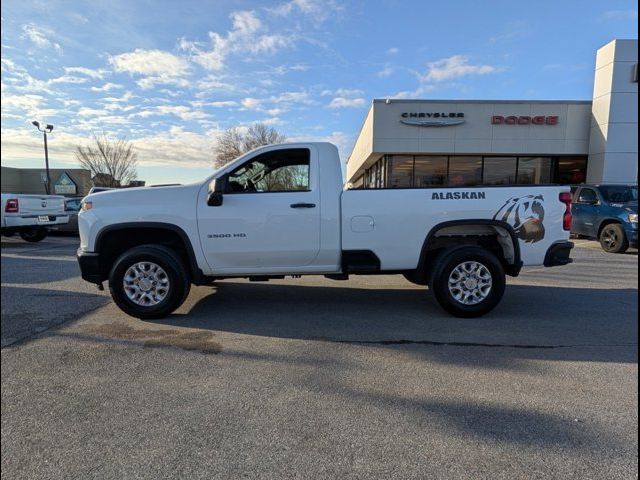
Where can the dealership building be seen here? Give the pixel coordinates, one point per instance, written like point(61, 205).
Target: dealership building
point(424, 143)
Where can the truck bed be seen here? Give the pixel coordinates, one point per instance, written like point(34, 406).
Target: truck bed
point(393, 223)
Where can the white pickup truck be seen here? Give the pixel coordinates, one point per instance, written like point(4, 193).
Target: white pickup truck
point(282, 210)
point(31, 215)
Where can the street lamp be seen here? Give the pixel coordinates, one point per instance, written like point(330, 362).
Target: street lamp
point(47, 129)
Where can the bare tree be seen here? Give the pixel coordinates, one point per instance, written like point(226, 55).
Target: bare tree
point(235, 142)
point(112, 162)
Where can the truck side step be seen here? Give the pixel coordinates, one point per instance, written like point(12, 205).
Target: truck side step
point(265, 278)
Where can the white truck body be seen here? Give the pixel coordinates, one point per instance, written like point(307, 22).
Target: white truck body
point(325, 229)
point(28, 213)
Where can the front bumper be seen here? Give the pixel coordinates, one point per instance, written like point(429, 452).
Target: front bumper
point(558, 254)
point(90, 266)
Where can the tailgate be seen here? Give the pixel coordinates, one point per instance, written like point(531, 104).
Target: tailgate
point(35, 205)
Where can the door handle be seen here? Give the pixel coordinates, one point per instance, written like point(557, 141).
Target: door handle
point(303, 205)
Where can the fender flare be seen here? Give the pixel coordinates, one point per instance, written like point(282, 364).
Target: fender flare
point(513, 268)
point(195, 270)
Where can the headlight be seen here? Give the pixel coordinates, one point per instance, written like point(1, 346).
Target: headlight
point(633, 217)
point(87, 206)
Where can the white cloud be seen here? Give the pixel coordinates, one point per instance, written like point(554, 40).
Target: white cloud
point(89, 72)
point(251, 103)
point(343, 92)
point(67, 79)
point(92, 112)
point(39, 36)
point(124, 98)
point(418, 92)
point(106, 87)
point(319, 10)
point(342, 102)
point(292, 98)
point(248, 35)
point(392, 51)
point(386, 71)
point(272, 121)
point(155, 67)
point(222, 104)
point(25, 103)
point(214, 82)
point(345, 98)
point(455, 67)
point(180, 111)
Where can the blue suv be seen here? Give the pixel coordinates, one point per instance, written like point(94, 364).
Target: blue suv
point(608, 213)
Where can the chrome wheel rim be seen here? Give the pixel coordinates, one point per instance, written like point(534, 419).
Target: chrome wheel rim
point(146, 284)
point(610, 239)
point(470, 283)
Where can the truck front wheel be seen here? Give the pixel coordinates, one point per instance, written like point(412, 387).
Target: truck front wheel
point(613, 239)
point(149, 281)
point(467, 281)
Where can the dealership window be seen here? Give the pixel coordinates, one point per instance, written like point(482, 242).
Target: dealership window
point(375, 176)
point(571, 170)
point(499, 170)
point(465, 171)
point(430, 170)
point(534, 170)
point(424, 171)
point(400, 171)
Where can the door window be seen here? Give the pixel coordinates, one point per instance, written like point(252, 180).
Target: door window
point(588, 196)
point(276, 171)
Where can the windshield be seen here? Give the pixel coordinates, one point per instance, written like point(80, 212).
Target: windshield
point(619, 193)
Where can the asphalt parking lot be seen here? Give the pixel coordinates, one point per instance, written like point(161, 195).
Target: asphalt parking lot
point(313, 378)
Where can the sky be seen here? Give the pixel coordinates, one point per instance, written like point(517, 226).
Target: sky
point(170, 76)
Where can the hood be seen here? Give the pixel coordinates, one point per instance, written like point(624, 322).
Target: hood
point(159, 195)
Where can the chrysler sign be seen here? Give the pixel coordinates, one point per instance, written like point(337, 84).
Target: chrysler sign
point(524, 120)
point(432, 119)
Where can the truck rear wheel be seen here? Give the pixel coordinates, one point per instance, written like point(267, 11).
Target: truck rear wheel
point(149, 281)
point(33, 234)
point(467, 281)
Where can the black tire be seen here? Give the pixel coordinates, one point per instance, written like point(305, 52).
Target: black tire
point(443, 269)
point(179, 282)
point(33, 234)
point(613, 238)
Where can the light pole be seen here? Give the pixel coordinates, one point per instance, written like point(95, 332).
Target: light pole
point(47, 129)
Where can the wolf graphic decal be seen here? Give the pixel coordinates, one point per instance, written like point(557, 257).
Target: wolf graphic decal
point(526, 216)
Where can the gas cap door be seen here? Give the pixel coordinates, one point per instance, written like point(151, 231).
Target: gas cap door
point(362, 223)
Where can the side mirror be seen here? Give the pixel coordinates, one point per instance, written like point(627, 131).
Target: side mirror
point(216, 195)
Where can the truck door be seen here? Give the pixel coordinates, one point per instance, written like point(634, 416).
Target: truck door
point(585, 211)
point(269, 219)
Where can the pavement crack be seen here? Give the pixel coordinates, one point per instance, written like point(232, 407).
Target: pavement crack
point(477, 344)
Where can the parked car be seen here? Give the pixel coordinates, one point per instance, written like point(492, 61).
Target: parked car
point(31, 215)
point(282, 210)
point(608, 213)
point(71, 208)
